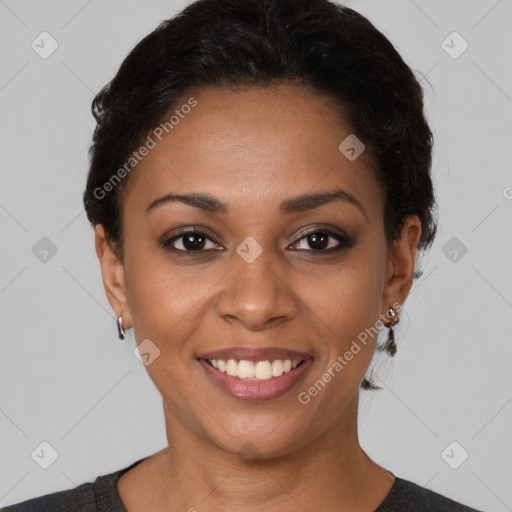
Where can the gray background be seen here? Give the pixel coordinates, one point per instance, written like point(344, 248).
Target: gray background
point(67, 380)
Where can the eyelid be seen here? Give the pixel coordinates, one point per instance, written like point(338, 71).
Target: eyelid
point(334, 231)
point(344, 240)
point(168, 240)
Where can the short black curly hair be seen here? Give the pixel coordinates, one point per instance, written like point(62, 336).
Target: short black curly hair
point(231, 43)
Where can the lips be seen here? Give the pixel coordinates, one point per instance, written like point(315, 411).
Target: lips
point(255, 355)
point(252, 374)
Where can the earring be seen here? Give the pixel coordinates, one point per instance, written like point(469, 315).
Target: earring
point(120, 328)
point(390, 346)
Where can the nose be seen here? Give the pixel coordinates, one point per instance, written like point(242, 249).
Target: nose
point(256, 295)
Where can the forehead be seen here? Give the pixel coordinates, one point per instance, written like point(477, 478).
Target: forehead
point(253, 146)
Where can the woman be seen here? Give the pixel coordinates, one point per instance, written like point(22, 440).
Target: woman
point(260, 190)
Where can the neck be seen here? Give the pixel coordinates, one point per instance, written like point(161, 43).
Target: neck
point(331, 472)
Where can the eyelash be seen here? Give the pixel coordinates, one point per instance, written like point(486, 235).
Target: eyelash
point(344, 242)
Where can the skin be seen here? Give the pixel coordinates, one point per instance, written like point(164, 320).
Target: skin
point(254, 148)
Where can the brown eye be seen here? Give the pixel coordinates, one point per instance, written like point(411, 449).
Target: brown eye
point(323, 241)
point(318, 240)
point(190, 241)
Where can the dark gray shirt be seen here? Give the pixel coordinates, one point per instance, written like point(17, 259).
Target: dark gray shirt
point(102, 496)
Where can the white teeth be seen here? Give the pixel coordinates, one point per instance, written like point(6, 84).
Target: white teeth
point(277, 368)
point(249, 370)
point(263, 370)
point(231, 367)
point(245, 369)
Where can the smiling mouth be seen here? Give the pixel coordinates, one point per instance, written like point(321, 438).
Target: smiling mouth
point(255, 374)
point(255, 370)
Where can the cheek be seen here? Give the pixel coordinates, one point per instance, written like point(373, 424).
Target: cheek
point(347, 302)
point(167, 301)
point(349, 297)
point(346, 307)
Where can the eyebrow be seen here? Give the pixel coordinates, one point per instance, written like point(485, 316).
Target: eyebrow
point(296, 204)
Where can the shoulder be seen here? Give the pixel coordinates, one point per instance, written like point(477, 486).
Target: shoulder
point(101, 494)
point(408, 496)
point(80, 498)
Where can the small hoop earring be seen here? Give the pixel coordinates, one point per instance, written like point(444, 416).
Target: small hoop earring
point(390, 346)
point(120, 328)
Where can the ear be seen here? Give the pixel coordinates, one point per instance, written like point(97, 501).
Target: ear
point(112, 272)
point(401, 263)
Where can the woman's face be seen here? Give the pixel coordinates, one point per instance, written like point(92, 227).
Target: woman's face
point(272, 271)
